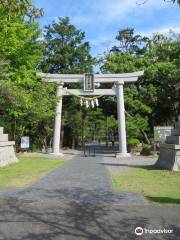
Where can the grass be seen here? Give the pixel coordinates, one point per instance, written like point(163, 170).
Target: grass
point(27, 171)
point(157, 185)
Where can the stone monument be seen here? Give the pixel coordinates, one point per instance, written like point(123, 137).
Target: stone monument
point(169, 157)
point(7, 154)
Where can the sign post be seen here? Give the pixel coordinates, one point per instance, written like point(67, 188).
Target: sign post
point(160, 133)
point(24, 143)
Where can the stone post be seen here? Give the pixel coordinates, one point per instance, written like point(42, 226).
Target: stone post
point(7, 154)
point(121, 120)
point(57, 124)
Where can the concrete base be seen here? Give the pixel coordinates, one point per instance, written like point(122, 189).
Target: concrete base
point(123, 155)
point(7, 156)
point(169, 157)
point(58, 154)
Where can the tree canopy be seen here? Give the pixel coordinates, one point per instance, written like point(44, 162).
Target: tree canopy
point(27, 103)
point(65, 50)
point(153, 100)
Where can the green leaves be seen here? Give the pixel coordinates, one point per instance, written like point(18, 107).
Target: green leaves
point(26, 104)
point(65, 49)
point(153, 100)
point(20, 8)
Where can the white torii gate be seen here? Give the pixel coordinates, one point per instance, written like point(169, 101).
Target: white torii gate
point(117, 79)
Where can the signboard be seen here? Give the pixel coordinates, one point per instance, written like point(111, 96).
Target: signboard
point(89, 82)
point(160, 133)
point(24, 142)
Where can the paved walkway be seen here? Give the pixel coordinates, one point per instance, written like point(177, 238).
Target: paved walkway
point(83, 179)
point(76, 201)
point(25, 220)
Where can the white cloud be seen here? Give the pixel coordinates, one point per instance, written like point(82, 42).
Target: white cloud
point(103, 40)
point(81, 20)
point(112, 9)
point(106, 42)
point(102, 44)
point(162, 30)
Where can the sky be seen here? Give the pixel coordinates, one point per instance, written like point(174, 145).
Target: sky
point(101, 19)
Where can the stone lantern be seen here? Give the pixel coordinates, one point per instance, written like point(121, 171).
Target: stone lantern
point(169, 157)
point(7, 154)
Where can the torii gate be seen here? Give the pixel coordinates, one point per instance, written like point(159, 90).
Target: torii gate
point(117, 79)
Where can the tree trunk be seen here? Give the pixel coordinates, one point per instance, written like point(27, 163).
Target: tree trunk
point(145, 137)
point(73, 143)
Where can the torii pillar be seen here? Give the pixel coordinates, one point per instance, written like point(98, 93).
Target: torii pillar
point(57, 123)
point(121, 120)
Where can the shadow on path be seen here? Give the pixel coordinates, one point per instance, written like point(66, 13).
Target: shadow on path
point(23, 220)
point(164, 200)
point(82, 195)
point(148, 167)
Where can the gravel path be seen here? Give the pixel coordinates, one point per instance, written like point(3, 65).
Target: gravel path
point(83, 179)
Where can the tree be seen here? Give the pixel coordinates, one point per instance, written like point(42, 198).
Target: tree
point(26, 103)
point(20, 48)
point(28, 111)
point(163, 73)
point(153, 99)
point(128, 42)
point(65, 50)
point(23, 8)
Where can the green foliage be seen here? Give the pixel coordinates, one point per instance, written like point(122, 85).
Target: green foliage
point(112, 125)
point(23, 8)
point(132, 144)
point(146, 150)
point(133, 141)
point(26, 104)
point(20, 48)
point(128, 42)
point(154, 99)
point(28, 111)
point(65, 50)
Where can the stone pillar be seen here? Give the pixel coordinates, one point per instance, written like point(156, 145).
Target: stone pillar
point(121, 120)
point(57, 124)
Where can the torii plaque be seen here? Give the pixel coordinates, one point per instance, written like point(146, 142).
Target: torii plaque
point(117, 80)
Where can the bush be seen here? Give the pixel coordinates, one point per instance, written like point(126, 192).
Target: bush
point(132, 142)
point(146, 150)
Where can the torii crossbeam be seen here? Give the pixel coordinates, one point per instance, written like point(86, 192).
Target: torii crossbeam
point(117, 79)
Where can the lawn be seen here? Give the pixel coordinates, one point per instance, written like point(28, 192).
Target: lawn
point(27, 171)
point(157, 185)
